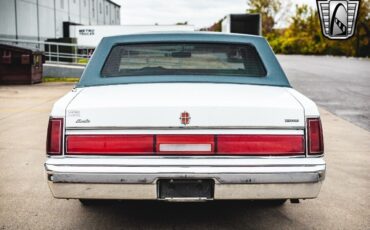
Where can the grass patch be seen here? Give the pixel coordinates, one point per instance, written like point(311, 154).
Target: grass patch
point(61, 79)
point(82, 60)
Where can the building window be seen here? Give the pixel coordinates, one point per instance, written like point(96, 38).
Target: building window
point(84, 3)
point(106, 10)
point(74, 1)
point(100, 8)
point(62, 4)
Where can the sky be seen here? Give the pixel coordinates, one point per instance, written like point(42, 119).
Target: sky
point(200, 13)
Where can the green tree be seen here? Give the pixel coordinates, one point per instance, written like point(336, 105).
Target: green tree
point(216, 27)
point(362, 36)
point(268, 10)
point(304, 36)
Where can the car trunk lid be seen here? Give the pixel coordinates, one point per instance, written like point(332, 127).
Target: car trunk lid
point(205, 105)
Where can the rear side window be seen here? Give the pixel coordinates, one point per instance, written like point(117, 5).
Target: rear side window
point(183, 59)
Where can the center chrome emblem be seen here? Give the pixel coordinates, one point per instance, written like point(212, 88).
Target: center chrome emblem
point(185, 118)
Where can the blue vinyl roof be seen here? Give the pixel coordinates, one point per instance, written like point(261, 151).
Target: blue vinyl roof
point(92, 74)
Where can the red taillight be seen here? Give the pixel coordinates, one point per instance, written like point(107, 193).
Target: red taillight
point(185, 144)
point(260, 144)
point(315, 137)
point(54, 136)
point(110, 144)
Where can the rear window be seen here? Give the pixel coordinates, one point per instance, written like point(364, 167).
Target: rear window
point(183, 59)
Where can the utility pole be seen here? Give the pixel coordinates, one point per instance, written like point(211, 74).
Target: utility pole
point(16, 20)
point(38, 20)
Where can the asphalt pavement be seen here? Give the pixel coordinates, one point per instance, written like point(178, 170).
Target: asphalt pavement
point(26, 202)
point(339, 84)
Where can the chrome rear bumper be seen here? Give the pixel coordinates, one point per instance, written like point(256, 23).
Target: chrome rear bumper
point(136, 177)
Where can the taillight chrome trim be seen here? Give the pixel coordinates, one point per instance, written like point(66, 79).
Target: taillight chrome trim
point(60, 120)
point(95, 128)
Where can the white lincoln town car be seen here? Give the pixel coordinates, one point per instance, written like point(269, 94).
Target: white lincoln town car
point(184, 117)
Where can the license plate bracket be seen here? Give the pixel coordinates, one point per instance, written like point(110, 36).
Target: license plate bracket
point(185, 188)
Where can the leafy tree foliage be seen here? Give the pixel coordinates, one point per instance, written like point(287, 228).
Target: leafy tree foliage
point(268, 10)
point(303, 35)
point(216, 27)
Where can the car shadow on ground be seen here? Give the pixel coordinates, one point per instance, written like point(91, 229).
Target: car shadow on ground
point(207, 215)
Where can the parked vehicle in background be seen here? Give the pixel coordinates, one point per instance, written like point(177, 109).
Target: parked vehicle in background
point(242, 24)
point(184, 117)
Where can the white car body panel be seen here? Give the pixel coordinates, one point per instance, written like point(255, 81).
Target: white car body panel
point(59, 108)
point(309, 106)
point(160, 105)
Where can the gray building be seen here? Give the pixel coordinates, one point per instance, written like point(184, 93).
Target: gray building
point(43, 19)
